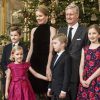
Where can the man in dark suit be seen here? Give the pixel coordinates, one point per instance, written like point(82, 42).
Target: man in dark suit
point(61, 70)
point(77, 39)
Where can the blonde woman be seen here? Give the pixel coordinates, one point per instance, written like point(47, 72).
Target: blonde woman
point(40, 53)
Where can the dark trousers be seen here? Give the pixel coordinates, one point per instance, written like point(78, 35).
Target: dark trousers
point(73, 91)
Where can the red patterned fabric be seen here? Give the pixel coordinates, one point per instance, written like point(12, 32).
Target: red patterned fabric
point(92, 63)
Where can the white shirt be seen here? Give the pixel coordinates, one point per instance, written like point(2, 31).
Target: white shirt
point(15, 44)
point(73, 30)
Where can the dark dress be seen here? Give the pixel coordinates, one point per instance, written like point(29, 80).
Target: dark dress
point(92, 63)
point(39, 57)
point(20, 87)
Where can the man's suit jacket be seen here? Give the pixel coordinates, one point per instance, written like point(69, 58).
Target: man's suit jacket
point(7, 52)
point(61, 72)
point(79, 40)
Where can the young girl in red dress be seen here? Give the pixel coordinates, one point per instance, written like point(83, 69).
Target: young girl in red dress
point(89, 88)
point(17, 84)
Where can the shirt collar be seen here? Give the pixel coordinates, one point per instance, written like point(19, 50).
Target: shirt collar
point(74, 26)
point(16, 44)
point(59, 53)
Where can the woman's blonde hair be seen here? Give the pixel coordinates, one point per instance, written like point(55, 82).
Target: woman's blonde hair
point(43, 9)
point(14, 49)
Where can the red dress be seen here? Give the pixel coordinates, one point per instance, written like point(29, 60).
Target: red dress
point(20, 88)
point(91, 64)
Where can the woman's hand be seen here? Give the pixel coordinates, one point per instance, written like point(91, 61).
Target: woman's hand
point(46, 78)
point(48, 73)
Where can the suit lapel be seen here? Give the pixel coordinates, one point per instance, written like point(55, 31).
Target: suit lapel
point(59, 59)
point(65, 30)
point(77, 33)
point(9, 50)
point(19, 44)
point(10, 47)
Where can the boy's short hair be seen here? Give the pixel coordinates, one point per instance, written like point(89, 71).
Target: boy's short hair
point(15, 28)
point(61, 37)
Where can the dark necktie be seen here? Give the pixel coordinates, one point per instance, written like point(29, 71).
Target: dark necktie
point(70, 36)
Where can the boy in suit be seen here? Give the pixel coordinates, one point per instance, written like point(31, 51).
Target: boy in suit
point(61, 70)
point(15, 36)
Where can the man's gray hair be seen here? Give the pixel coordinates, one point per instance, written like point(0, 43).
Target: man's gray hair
point(72, 6)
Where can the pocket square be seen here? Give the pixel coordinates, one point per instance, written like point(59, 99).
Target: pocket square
point(78, 39)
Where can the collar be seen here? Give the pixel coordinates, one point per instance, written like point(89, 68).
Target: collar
point(74, 26)
point(59, 53)
point(16, 44)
